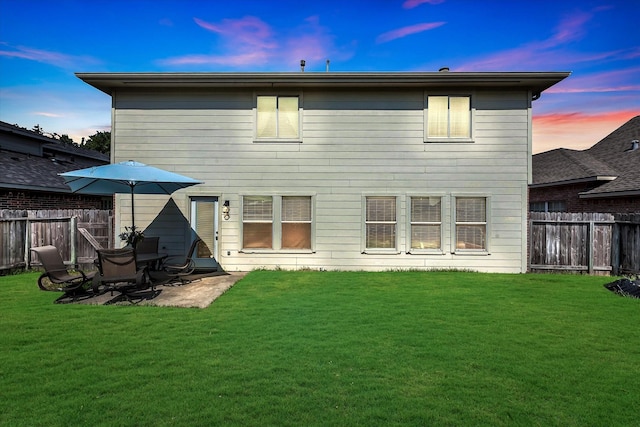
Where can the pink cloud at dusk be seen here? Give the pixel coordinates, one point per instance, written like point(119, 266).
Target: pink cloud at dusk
point(406, 31)
point(608, 81)
point(547, 51)
point(576, 131)
point(410, 4)
point(56, 59)
point(249, 41)
point(249, 32)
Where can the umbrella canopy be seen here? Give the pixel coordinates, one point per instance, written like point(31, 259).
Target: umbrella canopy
point(126, 177)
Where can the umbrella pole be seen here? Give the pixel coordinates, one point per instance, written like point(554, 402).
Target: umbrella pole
point(133, 211)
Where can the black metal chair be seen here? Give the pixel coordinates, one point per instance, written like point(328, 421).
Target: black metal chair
point(57, 277)
point(178, 267)
point(119, 271)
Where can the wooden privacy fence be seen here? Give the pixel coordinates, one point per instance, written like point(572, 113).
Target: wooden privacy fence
point(77, 233)
point(595, 243)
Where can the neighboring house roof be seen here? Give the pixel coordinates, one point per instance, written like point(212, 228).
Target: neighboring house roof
point(535, 81)
point(612, 162)
point(30, 161)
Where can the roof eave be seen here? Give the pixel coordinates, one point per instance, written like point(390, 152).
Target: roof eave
point(596, 178)
point(608, 194)
point(535, 81)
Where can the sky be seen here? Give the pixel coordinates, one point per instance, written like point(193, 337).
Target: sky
point(44, 42)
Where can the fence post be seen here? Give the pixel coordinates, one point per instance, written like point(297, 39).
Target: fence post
point(27, 244)
point(73, 230)
point(615, 248)
point(591, 247)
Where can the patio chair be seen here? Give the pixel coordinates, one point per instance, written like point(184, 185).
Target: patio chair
point(147, 253)
point(177, 267)
point(56, 277)
point(148, 245)
point(119, 271)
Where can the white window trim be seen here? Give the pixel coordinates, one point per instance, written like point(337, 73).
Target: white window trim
point(276, 139)
point(276, 222)
point(399, 228)
point(444, 200)
point(454, 222)
point(472, 119)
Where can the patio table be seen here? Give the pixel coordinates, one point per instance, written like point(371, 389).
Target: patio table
point(152, 260)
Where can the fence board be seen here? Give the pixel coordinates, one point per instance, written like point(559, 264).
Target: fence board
point(22, 229)
point(594, 242)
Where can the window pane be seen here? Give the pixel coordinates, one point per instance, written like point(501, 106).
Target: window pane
point(204, 228)
point(537, 206)
point(288, 117)
point(425, 236)
point(471, 209)
point(266, 121)
point(296, 235)
point(425, 209)
point(557, 206)
point(296, 222)
point(381, 236)
point(257, 208)
point(437, 116)
point(460, 117)
point(381, 209)
point(257, 235)
point(296, 208)
point(470, 236)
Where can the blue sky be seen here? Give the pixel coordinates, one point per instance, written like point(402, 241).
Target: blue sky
point(44, 42)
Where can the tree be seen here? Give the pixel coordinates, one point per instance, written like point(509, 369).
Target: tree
point(99, 141)
point(65, 139)
point(37, 129)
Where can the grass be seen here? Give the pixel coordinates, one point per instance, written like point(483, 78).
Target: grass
point(329, 349)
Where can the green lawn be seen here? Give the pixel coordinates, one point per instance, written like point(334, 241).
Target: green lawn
point(329, 349)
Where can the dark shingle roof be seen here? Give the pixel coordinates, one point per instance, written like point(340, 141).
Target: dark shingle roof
point(609, 158)
point(24, 171)
point(24, 167)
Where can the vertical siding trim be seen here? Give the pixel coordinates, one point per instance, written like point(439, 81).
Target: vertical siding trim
point(524, 247)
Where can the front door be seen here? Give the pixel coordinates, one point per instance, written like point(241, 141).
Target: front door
point(204, 223)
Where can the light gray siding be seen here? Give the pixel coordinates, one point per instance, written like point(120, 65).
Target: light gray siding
point(354, 143)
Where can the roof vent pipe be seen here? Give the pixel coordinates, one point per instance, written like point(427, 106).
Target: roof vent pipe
point(328, 65)
point(634, 146)
point(443, 69)
point(302, 64)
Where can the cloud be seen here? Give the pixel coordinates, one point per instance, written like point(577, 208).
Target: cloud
point(406, 31)
point(609, 81)
point(56, 59)
point(410, 4)
point(248, 32)
point(577, 131)
point(45, 114)
point(251, 42)
point(549, 51)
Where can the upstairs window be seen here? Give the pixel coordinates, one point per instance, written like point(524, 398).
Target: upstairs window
point(277, 117)
point(448, 117)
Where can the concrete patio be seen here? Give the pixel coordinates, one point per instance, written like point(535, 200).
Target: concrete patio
point(199, 292)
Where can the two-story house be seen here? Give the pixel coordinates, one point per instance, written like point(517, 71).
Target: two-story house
point(353, 171)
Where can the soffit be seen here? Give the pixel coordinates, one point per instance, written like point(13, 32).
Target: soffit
point(534, 81)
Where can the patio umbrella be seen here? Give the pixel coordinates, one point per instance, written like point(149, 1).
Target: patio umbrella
point(126, 177)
